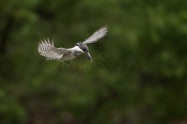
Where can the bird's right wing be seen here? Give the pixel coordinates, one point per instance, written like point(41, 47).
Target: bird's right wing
point(96, 35)
point(48, 50)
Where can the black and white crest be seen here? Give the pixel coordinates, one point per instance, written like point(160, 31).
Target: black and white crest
point(82, 46)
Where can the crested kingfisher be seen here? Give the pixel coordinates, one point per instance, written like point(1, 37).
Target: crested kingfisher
point(47, 49)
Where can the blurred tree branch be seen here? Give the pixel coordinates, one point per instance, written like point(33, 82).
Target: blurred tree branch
point(6, 34)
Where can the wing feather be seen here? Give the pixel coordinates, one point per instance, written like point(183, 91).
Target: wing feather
point(48, 50)
point(96, 35)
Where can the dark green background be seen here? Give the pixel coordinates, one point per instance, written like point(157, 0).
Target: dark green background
point(139, 72)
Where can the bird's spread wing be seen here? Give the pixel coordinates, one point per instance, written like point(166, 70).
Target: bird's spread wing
point(48, 50)
point(96, 35)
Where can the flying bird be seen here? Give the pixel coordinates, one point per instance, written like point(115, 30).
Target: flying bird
point(47, 49)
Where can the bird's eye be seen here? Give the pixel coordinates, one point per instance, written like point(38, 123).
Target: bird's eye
point(84, 49)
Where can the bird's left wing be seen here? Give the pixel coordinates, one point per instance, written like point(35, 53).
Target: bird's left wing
point(48, 50)
point(96, 35)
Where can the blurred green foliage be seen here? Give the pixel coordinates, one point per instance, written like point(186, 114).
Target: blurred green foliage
point(138, 75)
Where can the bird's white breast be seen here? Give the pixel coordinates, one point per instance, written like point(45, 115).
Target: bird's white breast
point(77, 49)
point(74, 52)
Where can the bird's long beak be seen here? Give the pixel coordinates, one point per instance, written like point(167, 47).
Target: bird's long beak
point(89, 56)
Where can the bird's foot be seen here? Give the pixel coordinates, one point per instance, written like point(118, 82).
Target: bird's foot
point(68, 61)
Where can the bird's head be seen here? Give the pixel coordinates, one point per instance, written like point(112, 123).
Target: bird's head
point(85, 49)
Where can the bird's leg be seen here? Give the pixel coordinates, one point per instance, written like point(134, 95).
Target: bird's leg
point(68, 61)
